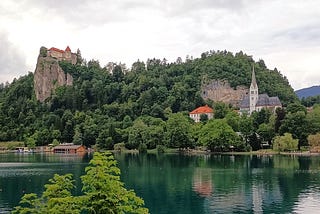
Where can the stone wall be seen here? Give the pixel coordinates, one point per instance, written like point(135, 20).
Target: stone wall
point(220, 91)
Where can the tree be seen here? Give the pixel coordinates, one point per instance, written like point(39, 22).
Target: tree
point(178, 131)
point(296, 124)
point(203, 118)
point(246, 127)
point(30, 142)
point(314, 140)
point(220, 110)
point(266, 132)
point(313, 120)
point(56, 198)
point(217, 135)
point(285, 143)
point(103, 192)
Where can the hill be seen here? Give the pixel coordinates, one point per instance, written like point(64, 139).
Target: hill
point(308, 92)
point(103, 102)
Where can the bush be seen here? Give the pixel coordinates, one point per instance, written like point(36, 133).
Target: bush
point(119, 147)
point(161, 148)
point(142, 148)
point(285, 143)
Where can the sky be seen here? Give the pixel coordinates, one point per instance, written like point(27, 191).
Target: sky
point(284, 33)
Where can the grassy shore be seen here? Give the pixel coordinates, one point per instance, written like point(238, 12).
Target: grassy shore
point(196, 152)
point(11, 145)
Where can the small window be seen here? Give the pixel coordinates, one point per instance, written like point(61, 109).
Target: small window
point(252, 92)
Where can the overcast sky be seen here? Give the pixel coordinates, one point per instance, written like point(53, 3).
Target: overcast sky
point(284, 33)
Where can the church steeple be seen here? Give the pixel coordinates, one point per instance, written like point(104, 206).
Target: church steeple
point(253, 79)
point(254, 92)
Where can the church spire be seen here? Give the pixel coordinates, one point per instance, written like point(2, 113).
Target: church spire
point(254, 92)
point(253, 78)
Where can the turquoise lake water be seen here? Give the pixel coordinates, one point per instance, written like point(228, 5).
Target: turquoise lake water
point(183, 183)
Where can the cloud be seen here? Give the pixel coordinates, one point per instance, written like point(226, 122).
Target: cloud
point(12, 63)
point(285, 34)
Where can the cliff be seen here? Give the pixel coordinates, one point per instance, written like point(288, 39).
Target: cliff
point(220, 91)
point(49, 75)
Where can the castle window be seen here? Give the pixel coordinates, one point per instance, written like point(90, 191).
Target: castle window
point(252, 92)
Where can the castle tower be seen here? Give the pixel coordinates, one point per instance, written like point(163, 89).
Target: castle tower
point(254, 93)
point(67, 53)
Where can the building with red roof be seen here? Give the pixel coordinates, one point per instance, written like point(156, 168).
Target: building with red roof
point(195, 114)
point(62, 54)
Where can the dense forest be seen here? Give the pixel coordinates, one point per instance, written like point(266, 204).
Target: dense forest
point(147, 106)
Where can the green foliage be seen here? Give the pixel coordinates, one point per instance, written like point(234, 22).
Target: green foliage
point(314, 140)
point(104, 104)
point(119, 147)
point(313, 120)
point(103, 192)
point(203, 118)
point(56, 198)
point(178, 131)
point(220, 110)
point(30, 142)
point(55, 142)
point(296, 124)
point(217, 135)
point(285, 143)
point(310, 101)
point(161, 148)
point(43, 51)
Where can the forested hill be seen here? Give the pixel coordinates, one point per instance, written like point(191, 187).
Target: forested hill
point(104, 100)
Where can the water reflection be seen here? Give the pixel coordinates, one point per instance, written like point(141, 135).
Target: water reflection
point(183, 183)
point(222, 183)
point(202, 182)
point(26, 173)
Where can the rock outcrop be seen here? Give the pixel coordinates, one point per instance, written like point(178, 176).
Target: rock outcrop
point(220, 91)
point(49, 75)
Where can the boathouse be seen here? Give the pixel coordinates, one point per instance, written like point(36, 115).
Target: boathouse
point(67, 148)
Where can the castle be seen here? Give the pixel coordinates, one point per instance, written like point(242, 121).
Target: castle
point(62, 54)
point(255, 101)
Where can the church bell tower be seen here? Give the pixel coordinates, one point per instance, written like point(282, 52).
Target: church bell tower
point(254, 93)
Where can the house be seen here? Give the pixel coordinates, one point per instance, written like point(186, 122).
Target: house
point(255, 101)
point(69, 148)
point(63, 54)
point(195, 114)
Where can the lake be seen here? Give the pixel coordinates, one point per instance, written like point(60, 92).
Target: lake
point(183, 183)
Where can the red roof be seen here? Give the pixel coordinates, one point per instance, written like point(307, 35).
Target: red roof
point(68, 49)
point(202, 110)
point(56, 49)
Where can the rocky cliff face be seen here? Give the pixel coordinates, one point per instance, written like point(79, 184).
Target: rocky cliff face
point(48, 76)
point(220, 91)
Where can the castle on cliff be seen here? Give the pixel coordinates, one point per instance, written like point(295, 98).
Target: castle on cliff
point(255, 101)
point(62, 54)
point(48, 74)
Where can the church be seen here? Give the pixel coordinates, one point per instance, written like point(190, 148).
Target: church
point(255, 101)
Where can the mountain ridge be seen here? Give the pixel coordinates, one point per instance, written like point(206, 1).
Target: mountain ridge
point(308, 92)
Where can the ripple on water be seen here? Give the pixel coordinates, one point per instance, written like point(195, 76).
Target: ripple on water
point(308, 202)
point(15, 169)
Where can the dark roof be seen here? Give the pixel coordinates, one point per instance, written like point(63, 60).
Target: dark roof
point(274, 101)
point(245, 102)
point(263, 100)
